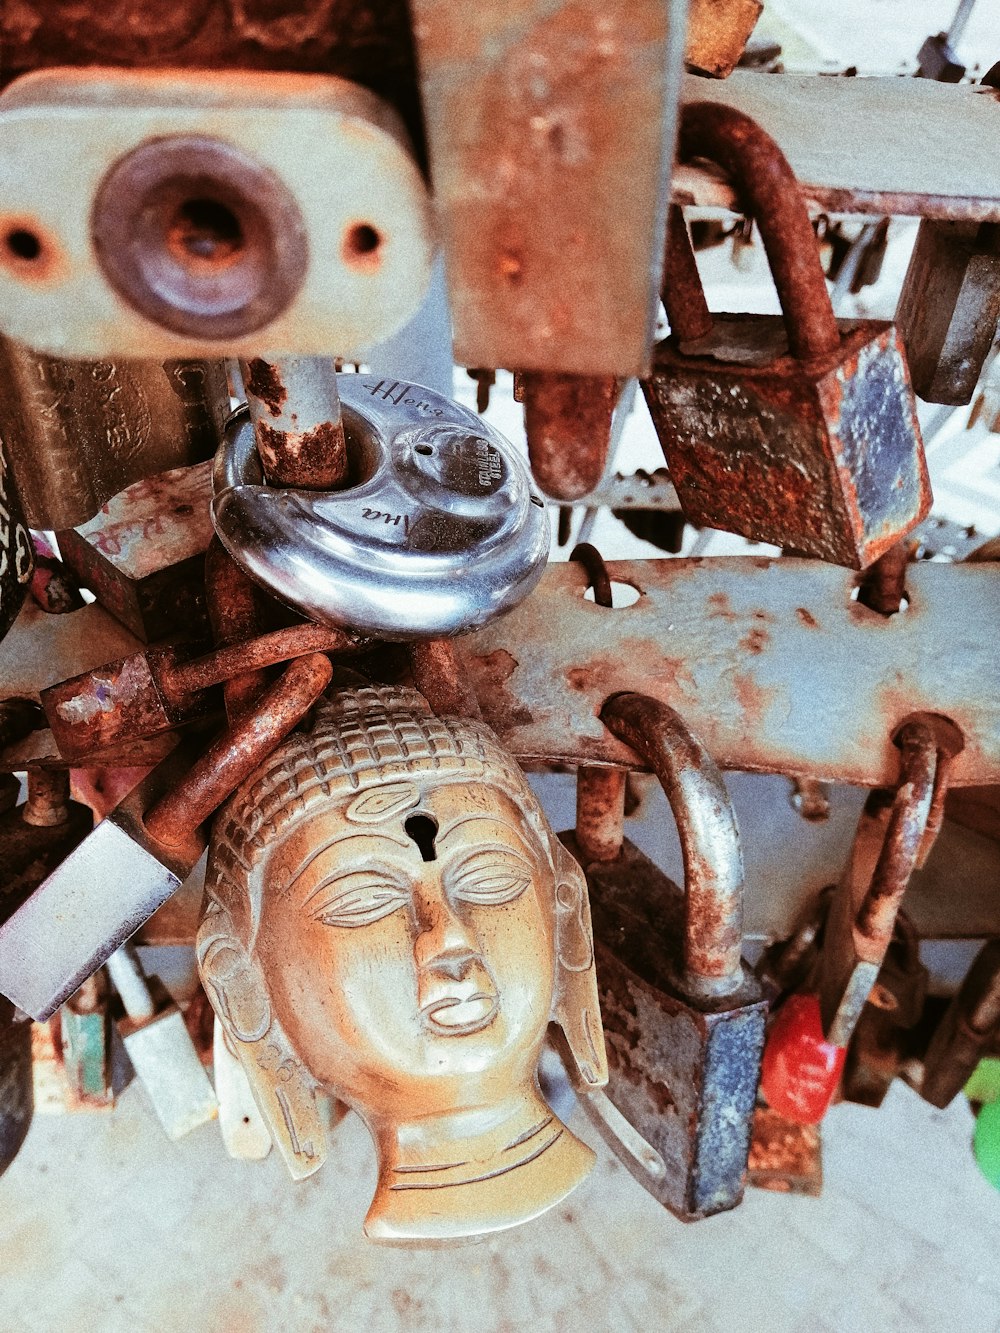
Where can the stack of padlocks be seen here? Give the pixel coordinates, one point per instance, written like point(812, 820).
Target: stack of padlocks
point(358, 806)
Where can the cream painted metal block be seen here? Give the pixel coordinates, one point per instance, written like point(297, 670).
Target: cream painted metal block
point(175, 188)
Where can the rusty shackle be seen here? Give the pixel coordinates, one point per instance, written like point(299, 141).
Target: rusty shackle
point(239, 750)
point(770, 194)
point(927, 745)
point(709, 835)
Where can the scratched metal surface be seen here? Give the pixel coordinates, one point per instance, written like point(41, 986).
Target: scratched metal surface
point(770, 662)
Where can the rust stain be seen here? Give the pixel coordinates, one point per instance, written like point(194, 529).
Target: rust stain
point(264, 382)
point(501, 707)
point(755, 641)
point(314, 459)
point(753, 699)
point(807, 618)
point(720, 607)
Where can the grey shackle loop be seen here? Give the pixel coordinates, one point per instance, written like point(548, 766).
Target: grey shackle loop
point(709, 835)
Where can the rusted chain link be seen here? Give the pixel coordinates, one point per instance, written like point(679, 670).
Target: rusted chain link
point(928, 746)
point(281, 645)
point(901, 845)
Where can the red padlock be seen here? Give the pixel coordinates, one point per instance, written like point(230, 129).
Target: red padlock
point(801, 1069)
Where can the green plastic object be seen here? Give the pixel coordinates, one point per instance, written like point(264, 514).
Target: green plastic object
point(984, 1085)
point(986, 1143)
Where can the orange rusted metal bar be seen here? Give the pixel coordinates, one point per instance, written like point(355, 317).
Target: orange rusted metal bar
point(568, 423)
point(600, 812)
point(682, 294)
point(442, 678)
point(234, 604)
point(281, 645)
point(236, 753)
point(295, 409)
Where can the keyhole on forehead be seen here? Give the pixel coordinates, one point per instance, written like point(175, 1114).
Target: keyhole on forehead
point(423, 830)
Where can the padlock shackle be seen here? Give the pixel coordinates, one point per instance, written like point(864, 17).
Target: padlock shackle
point(709, 835)
point(682, 292)
point(903, 841)
point(770, 193)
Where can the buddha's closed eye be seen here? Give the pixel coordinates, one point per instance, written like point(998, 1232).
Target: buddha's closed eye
point(357, 899)
point(490, 877)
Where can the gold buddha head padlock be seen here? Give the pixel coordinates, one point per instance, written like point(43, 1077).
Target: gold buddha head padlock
point(390, 921)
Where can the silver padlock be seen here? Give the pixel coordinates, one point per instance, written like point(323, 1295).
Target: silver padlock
point(161, 1051)
point(439, 530)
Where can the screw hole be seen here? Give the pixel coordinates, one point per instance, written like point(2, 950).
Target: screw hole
point(904, 604)
point(361, 243)
point(622, 595)
point(24, 244)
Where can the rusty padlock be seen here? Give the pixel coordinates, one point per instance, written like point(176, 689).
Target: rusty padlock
point(970, 1025)
point(142, 554)
point(795, 430)
point(37, 836)
point(131, 863)
point(808, 1040)
point(949, 307)
point(157, 690)
point(17, 555)
point(16, 1097)
point(683, 1016)
point(884, 1039)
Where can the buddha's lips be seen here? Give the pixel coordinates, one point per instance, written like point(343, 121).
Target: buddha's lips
point(457, 1018)
point(453, 1006)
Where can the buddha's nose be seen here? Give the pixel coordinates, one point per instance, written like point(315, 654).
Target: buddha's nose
point(444, 942)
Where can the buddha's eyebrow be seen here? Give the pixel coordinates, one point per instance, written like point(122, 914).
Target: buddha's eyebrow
point(485, 816)
point(342, 841)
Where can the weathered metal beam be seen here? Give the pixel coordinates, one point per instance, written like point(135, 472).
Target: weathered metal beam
point(770, 661)
point(910, 147)
point(550, 132)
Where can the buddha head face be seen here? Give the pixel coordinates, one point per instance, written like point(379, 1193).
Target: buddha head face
point(390, 920)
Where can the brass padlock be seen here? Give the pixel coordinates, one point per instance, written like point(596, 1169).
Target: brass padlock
point(796, 430)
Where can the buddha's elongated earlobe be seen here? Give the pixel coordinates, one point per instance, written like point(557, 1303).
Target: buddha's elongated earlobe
point(576, 1008)
point(285, 1092)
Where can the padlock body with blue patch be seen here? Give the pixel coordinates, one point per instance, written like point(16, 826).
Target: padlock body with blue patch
point(682, 1070)
point(822, 458)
